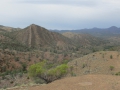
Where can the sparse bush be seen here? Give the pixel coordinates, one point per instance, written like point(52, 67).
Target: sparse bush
point(71, 68)
point(111, 57)
point(118, 74)
point(76, 64)
point(65, 61)
point(84, 65)
point(29, 59)
point(55, 51)
point(5, 87)
point(65, 54)
point(3, 68)
point(11, 82)
point(7, 72)
point(111, 68)
point(118, 55)
point(13, 66)
point(48, 74)
point(3, 77)
point(94, 50)
point(21, 74)
point(24, 67)
point(37, 56)
point(17, 59)
point(103, 55)
point(73, 74)
point(28, 78)
point(38, 80)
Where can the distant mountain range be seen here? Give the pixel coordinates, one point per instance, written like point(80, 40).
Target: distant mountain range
point(98, 32)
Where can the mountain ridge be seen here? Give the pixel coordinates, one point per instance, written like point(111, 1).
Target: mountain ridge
point(98, 32)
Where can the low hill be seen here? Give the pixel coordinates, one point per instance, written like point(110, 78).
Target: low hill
point(84, 39)
point(2, 30)
point(103, 62)
point(8, 29)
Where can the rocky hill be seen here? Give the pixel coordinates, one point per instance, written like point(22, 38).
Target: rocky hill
point(37, 36)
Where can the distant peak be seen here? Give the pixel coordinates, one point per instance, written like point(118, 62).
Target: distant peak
point(95, 28)
point(113, 27)
point(33, 25)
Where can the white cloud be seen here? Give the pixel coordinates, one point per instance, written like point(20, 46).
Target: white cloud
point(63, 14)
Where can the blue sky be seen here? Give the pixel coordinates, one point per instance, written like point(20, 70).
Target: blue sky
point(60, 14)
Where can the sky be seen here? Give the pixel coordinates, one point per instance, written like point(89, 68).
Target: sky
point(60, 14)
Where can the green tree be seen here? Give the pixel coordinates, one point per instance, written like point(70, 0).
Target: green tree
point(48, 74)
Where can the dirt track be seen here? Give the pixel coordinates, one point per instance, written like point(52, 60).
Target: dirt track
point(86, 82)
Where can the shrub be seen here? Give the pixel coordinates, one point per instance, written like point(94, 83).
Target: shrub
point(38, 80)
point(71, 68)
point(17, 59)
point(73, 74)
point(118, 74)
point(111, 56)
point(20, 74)
point(84, 65)
point(37, 56)
point(3, 77)
point(48, 74)
point(29, 59)
point(111, 68)
point(24, 67)
point(11, 82)
point(103, 55)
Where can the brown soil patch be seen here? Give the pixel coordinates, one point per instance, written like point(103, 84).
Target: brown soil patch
point(86, 82)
